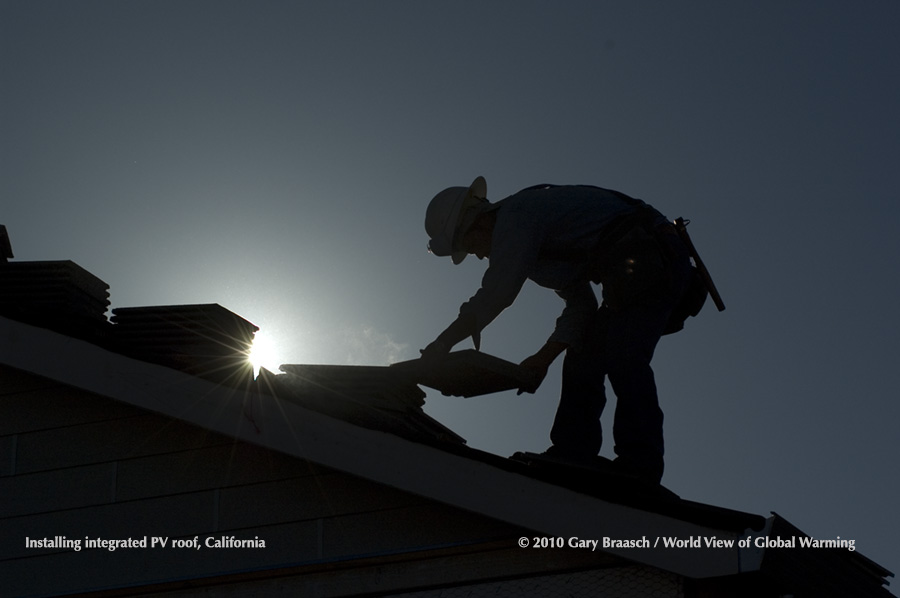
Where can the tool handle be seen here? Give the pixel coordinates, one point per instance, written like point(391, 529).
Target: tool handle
point(681, 227)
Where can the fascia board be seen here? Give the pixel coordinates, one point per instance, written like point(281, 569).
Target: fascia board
point(267, 421)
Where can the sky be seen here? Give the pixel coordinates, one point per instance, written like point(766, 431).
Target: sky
point(277, 157)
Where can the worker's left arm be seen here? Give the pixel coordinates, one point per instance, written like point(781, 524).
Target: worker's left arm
point(498, 291)
point(462, 327)
point(514, 250)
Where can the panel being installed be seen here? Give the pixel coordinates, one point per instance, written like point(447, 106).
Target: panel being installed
point(467, 373)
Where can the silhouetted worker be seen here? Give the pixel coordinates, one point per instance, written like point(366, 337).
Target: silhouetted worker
point(565, 238)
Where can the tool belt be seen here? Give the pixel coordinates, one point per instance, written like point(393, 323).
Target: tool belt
point(634, 265)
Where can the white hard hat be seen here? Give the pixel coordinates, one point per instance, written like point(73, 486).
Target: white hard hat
point(445, 214)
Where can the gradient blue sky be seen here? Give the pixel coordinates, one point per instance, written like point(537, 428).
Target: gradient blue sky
point(277, 157)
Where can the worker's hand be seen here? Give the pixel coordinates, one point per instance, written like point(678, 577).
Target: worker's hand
point(535, 370)
point(535, 367)
point(434, 353)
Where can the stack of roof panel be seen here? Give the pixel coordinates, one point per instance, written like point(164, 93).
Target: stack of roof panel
point(376, 385)
point(376, 397)
point(202, 340)
point(60, 295)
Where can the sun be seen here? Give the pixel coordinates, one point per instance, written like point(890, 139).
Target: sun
point(265, 353)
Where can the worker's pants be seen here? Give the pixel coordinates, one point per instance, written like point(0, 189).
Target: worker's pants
point(619, 346)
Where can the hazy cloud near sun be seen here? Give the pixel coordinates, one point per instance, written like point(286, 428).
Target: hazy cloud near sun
point(367, 346)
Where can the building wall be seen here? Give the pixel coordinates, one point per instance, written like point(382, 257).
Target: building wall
point(78, 466)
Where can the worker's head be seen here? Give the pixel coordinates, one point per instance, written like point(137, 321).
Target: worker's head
point(451, 216)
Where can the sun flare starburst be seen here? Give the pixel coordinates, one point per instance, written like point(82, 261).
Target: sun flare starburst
point(265, 353)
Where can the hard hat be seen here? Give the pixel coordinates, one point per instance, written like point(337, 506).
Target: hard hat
point(445, 214)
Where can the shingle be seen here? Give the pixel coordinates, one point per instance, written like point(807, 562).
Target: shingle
point(467, 373)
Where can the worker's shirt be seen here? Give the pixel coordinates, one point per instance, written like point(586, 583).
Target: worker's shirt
point(547, 234)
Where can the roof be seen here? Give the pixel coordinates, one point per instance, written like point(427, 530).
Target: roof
point(188, 363)
point(405, 452)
